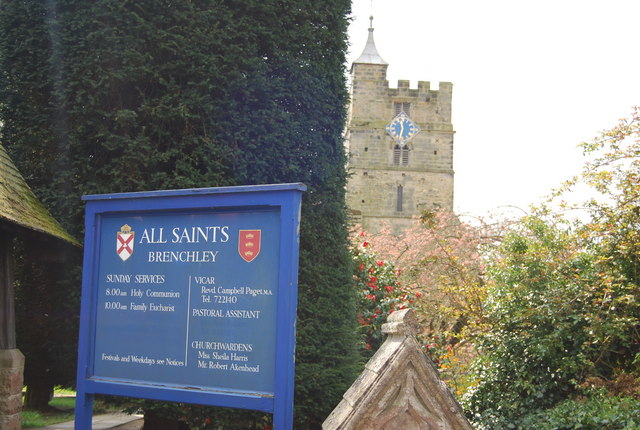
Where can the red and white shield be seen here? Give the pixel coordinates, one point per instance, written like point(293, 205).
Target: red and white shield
point(124, 242)
point(249, 244)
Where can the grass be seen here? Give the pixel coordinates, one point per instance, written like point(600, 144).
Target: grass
point(34, 419)
point(60, 410)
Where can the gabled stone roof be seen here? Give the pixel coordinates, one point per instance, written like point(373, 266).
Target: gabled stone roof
point(399, 389)
point(19, 206)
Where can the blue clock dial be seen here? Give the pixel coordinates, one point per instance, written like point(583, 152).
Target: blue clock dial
point(402, 129)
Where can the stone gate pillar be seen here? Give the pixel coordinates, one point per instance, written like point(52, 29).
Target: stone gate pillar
point(11, 370)
point(11, 359)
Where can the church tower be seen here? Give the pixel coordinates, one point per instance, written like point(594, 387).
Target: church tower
point(400, 144)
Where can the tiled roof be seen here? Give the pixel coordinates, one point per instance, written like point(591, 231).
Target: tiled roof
point(18, 204)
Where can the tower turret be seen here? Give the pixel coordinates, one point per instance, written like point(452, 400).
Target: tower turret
point(370, 53)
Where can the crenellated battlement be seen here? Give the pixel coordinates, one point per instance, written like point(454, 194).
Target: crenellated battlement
point(423, 92)
point(424, 86)
point(373, 78)
point(373, 99)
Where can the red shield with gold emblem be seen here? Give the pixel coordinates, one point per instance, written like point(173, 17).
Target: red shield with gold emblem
point(124, 242)
point(249, 244)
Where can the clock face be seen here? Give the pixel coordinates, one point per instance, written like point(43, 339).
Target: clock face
point(402, 129)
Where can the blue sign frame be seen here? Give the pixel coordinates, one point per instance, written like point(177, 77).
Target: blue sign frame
point(190, 296)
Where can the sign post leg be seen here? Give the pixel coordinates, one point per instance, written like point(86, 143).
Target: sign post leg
point(84, 411)
point(283, 420)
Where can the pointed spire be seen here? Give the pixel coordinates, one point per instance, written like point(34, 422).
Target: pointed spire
point(370, 54)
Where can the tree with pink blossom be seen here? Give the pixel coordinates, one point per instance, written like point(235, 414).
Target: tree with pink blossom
point(438, 261)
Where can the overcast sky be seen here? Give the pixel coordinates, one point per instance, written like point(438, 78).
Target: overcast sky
point(531, 80)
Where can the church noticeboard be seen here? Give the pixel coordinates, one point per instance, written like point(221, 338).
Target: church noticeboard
point(190, 296)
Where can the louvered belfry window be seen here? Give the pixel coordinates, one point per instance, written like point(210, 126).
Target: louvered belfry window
point(401, 107)
point(405, 156)
point(400, 156)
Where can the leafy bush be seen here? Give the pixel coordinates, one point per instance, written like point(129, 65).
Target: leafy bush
point(597, 412)
point(533, 355)
point(558, 314)
point(563, 306)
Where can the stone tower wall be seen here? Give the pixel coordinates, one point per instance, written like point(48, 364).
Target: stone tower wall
point(426, 179)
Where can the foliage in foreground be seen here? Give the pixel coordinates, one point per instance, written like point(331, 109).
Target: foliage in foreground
point(564, 305)
point(596, 411)
point(532, 354)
